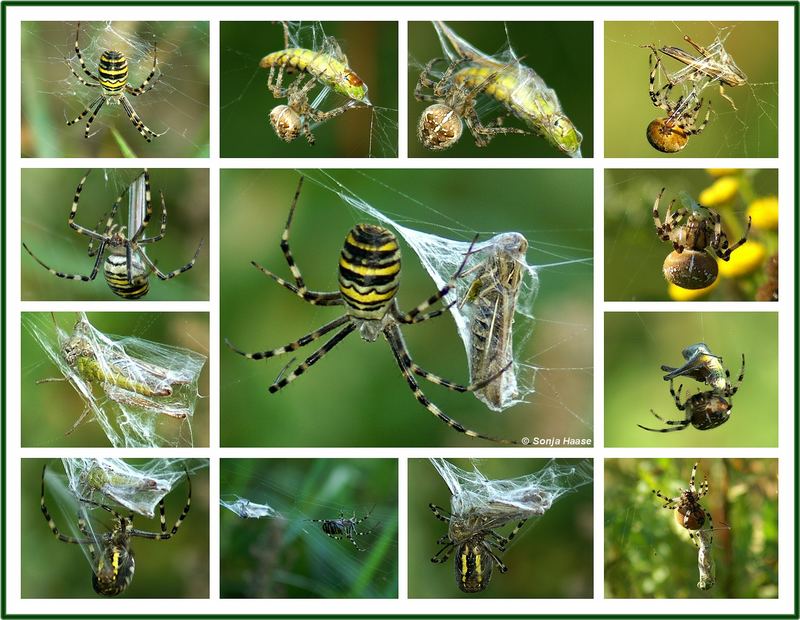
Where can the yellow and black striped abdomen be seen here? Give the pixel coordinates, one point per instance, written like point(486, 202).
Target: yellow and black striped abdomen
point(115, 270)
point(369, 271)
point(113, 71)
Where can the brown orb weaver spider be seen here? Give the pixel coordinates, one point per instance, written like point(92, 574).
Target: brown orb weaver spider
point(688, 512)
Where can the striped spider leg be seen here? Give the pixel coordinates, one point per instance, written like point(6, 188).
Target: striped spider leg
point(369, 271)
point(112, 79)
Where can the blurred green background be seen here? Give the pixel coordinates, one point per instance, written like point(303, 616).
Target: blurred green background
point(357, 396)
point(649, 555)
point(560, 52)
point(51, 95)
point(49, 410)
point(174, 568)
point(750, 132)
point(291, 557)
point(47, 197)
point(245, 101)
point(634, 255)
point(550, 557)
point(636, 346)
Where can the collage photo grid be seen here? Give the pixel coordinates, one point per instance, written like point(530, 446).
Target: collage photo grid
point(582, 398)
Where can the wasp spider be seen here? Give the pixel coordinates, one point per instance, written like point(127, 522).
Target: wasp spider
point(127, 267)
point(112, 557)
point(344, 527)
point(112, 79)
point(369, 276)
point(476, 544)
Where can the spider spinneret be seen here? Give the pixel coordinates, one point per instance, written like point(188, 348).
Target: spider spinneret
point(126, 267)
point(689, 513)
point(694, 230)
point(369, 277)
point(112, 79)
point(114, 565)
point(477, 544)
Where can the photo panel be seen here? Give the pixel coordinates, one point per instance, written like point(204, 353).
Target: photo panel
point(110, 510)
point(308, 528)
point(484, 528)
point(308, 89)
point(121, 379)
point(704, 528)
point(709, 89)
point(155, 249)
point(115, 89)
point(681, 379)
point(521, 88)
point(387, 395)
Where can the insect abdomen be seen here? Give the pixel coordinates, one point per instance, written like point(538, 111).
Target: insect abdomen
point(115, 270)
point(329, 70)
point(113, 71)
point(369, 271)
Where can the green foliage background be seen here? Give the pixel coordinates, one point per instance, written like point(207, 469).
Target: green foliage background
point(46, 200)
point(750, 132)
point(357, 396)
point(245, 101)
point(174, 568)
point(551, 557)
point(634, 255)
point(560, 52)
point(49, 410)
point(649, 555)
point(637, 344)
point(291, 557)
point(178, 101)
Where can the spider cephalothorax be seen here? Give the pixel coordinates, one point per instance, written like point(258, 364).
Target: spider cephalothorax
point(689, 514)
point(453, 103)
point(476, 544)
point(113, 563)
point(369, 277)
point(670, 134)
point(694, 231)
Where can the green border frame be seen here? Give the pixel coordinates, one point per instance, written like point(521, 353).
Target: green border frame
point(201, 3)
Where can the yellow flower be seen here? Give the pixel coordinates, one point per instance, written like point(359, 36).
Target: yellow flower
point(764, 212)
point(722, 172)
point(676, 293)
point(744, 260)
point(721, 191)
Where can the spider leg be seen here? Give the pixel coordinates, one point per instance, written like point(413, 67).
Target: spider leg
point(313, 358)
point(146, 133)
point(163, 534)
point(726, 253)
point(483, 134)
point(696, 131)
point(424, 81)
point(437, 512)
point(292, 346)
point(661, 230)
point(52, 524)
point(178, 271)
point(739, 380)
point(80, 56)
point(448, 549)
point(73, 276)
point(162, 231)
point(500, 565)
point(143, 88)
point(81, 230)
point(691, 479)
point(299, 287)
point(667, 500)
point(395, 339)
point(80, 79)
point(95, 105)
point(680, 424)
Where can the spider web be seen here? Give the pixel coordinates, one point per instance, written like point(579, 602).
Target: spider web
point(127, 488)
point(127, 418)
point(748, 130)
point(530, 379)
point(285, 549)
point(515, 499)
point(177, 104)
point(241, 66)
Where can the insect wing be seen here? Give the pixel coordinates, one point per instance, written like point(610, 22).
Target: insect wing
point(137, 205)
